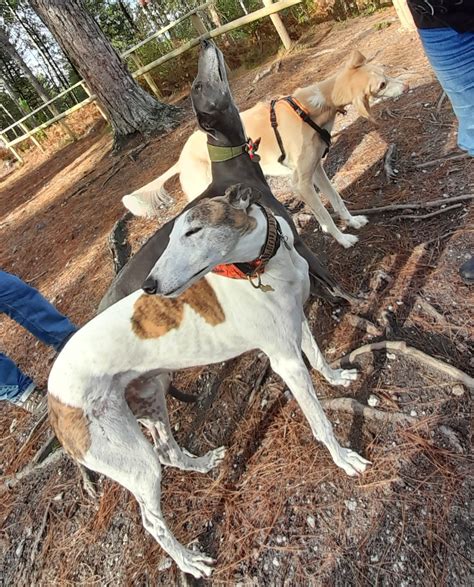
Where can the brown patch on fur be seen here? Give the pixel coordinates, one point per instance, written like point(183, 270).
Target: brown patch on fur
point(154, 316)
point(70, 426)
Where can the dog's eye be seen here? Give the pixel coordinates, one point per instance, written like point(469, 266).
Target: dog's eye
point(383, 85)
point(193, 231)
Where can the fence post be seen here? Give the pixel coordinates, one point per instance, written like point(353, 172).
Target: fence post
point(404, 15)
point(96, 101)
point(280, 27)
point(198, 24)
point(33, 139)
point(148, 78)
point(11, 149)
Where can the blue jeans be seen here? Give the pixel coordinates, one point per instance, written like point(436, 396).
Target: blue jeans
point(451, 55)
point(28, 307)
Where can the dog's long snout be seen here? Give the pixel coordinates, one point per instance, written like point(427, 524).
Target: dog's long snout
point(150, 286)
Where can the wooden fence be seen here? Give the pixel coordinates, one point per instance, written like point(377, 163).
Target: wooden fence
point(270, 10)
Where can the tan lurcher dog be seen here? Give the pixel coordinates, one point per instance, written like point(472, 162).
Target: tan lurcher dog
point(356, 83)
point(115, 370)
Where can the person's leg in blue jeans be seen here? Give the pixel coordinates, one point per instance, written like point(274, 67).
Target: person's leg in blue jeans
point(28, 307)
point(451, 55)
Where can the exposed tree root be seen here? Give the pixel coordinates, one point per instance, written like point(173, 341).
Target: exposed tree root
point(118, 243)
point(402, 347)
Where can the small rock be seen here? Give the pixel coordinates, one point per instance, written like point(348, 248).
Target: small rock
point(374, 558)
point(165, 563)
point(351, 504)
point(311, 522)
point(373, 401)
point(391, 356)
point(413, 414)
point(58, 497)
point(275, 562)
point(458, 390)
point(13, 425)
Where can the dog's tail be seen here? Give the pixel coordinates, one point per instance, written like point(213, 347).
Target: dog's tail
point(147, 200)
point(181, 395)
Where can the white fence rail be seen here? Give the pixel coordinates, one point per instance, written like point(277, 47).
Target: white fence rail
point(144, 70)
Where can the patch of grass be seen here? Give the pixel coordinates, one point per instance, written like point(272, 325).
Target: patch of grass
point(382, 25)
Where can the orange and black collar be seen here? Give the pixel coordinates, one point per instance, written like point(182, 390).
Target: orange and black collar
point(257, 266)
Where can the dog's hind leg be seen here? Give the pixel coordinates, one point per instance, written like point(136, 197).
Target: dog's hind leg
point(119, 450)
point(322, 182)
point(292, 370)
point(146, 398)
point(316, 359)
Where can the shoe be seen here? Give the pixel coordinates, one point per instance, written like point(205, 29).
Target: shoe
point(35, 402)
point(466, 271)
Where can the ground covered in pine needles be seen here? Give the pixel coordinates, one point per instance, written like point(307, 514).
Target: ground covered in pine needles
point(277, 511)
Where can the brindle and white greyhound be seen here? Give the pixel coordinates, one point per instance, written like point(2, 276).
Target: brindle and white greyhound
point(114, 371)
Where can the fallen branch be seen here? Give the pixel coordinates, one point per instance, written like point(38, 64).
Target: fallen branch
point(442, 160)
point(441, 99)
point(402, 347)
point(439, 238)
point(388, 161)
point(352, 406)
point(32, 469)
point(429, 215)
point(414, 205)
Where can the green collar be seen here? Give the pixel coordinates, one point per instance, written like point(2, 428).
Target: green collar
point(219, 154)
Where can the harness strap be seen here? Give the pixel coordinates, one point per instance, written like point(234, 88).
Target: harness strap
point(301, 111)
point(274, 123)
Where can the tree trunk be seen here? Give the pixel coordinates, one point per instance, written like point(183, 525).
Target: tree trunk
point(129, 108)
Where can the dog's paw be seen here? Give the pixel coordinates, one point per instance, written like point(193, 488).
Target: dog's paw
point(342, 377)
point(347, 240)
point(214, 458)
point(196, 564)
point(357, 221)
point(205, 463)
point(352, 463)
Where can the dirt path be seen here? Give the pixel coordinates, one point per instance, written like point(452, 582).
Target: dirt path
point(277, 511)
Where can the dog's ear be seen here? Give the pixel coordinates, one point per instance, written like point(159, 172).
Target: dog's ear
point(362, 106)
point(356, 59)
point(241, 197)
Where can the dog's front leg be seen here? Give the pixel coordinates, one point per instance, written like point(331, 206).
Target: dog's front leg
point(293, 371)
point(306, 191)
point(325, 186)
point(316, 359)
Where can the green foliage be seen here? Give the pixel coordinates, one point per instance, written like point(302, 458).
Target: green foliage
point(113, 22)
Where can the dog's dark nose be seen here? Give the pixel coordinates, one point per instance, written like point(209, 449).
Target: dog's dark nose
point(205, 43)
point(150, 286)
